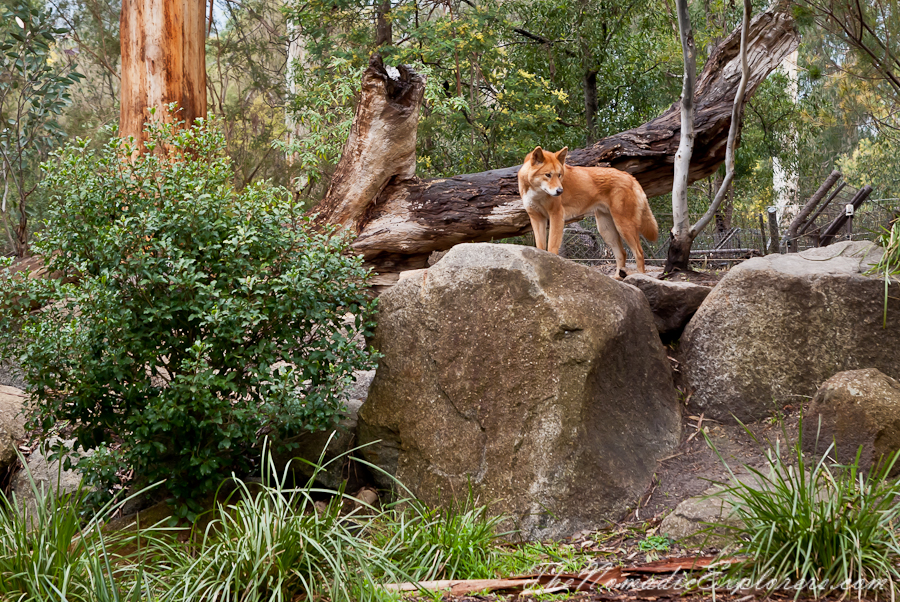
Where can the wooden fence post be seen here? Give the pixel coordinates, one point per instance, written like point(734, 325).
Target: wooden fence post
point(774, 239)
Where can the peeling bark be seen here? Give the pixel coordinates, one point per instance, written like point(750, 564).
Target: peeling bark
point(381, 146)
point(163, 45)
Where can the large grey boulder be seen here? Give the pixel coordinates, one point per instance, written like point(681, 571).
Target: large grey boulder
point(540, 384)
point(672, 303)
point(12, 424)
point(777, 326)
point(853, 409)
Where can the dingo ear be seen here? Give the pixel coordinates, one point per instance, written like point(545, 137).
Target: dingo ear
point(537, 155)
point(561, 155)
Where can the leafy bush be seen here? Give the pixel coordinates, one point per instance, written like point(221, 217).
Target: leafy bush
point(818, 527)
point(34, 90)
point(202, 318)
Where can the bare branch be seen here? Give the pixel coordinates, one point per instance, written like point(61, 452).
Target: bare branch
point(736, 117)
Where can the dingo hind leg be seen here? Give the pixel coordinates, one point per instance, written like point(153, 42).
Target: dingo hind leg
point(629, 230)
point(633, 240)
point(610, 235)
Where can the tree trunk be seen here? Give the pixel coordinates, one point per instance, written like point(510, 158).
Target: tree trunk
point(676, 259)
point(163, 46)
point(381, 146)
point(383, 30)
point(409, 218)
point(680, 244)
point(590, 105)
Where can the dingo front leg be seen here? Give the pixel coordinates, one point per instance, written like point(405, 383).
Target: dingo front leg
point(557, 222)
point(539, 227)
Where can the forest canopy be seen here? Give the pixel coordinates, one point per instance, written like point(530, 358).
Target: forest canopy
point(502, 77)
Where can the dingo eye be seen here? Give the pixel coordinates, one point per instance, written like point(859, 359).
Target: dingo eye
point(549, 175)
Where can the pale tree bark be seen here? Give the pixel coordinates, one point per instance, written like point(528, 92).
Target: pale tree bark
point(163, 45)
point(409, 218)
point(682, 239)
point(737, 113)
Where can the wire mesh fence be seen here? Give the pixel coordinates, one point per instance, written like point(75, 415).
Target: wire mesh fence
point(740, 235)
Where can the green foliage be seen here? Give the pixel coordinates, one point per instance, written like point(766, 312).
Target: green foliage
point(493, 89)
point(876, 162)
point(34, 89)
point(263, 542)
point(543, 557)
point(825, 525)
point(888, 267)
point(655, 543)
point(246, 56)
point(202, 318)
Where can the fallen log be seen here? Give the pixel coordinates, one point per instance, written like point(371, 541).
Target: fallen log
point(408, 218)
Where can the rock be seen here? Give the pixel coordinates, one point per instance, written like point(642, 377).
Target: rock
point(342, 439)
point(852, 409)
point(672, 303)
point(12, 425)
point(49, 477)
point(693, 521)
point(777, 326)
point(538, 383)
point(11, 374)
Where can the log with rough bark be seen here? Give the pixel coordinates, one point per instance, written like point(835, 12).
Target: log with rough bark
point(409, 218)
point(163, 61)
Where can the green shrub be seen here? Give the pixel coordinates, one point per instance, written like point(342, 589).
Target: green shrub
point(817, 527)
point(202, 318)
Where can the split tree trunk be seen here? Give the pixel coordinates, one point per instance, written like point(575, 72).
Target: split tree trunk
point(163, 45)
point(381, 146)
point(399, 226)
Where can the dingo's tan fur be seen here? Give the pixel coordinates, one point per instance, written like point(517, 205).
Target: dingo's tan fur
point(555, 192)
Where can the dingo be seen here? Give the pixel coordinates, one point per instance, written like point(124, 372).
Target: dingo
point(616, 199)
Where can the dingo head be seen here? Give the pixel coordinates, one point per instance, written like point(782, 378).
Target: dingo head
point(545, 170)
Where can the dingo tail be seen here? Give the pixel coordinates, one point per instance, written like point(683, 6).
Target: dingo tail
point(649, 229)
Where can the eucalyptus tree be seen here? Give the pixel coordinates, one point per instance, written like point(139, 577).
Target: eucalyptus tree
point(34, 90)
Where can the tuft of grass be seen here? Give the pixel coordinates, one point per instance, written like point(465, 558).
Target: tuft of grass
point(655, 543)
point(49, 552)
point(278, 543)
point(544, 557)
point(265, 542)
point(817, 526)
point(453, 542)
